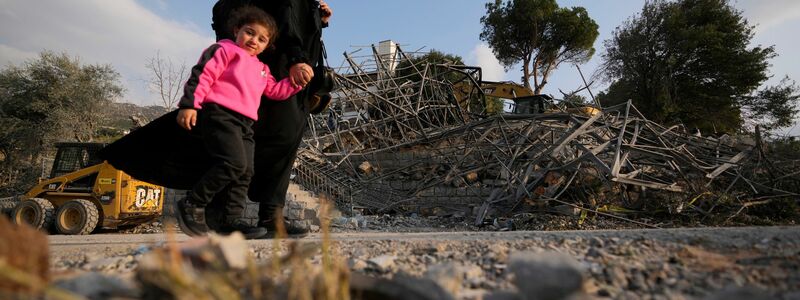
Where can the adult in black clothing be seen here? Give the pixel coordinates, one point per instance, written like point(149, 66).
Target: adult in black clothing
point(281, 124)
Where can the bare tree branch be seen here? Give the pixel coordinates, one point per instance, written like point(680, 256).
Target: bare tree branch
point(167, 79)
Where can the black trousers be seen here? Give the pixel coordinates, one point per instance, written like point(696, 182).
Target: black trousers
point(278, 134)
point(228, 138)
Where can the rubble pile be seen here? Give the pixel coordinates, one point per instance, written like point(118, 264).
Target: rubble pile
point(404, 134)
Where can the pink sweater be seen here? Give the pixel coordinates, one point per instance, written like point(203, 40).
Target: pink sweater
point(228, 76)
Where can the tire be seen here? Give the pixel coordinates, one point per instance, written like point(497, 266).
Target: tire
point(36, 212)
point(77, 217)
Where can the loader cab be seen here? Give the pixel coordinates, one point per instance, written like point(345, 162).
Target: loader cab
point(71, 157)
point(530, 104)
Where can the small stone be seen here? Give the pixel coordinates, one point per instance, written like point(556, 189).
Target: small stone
point(596, 253)
point(472, 177)
point(383, 263)
point(357, 264)
point(637, 282)
point(233, 247)
point(548, 275)
point(616, 276)
point(630, 295)
point(472, 272)
point(503, 295)
point(365, 167)
point(98, 286)
point(428, 259)
point(596, 242)
point(567, 210)
point(101, 264)
point(603, 293)
point(448, 276)
point(740, 293)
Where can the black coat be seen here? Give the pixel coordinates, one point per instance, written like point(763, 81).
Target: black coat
point(161, 152)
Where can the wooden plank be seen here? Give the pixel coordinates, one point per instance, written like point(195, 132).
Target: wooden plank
point(575, 133)
point(620, 140)
point(724, 167)
point(653, 185)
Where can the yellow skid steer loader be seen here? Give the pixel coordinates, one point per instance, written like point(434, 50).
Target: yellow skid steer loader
point(84, 194)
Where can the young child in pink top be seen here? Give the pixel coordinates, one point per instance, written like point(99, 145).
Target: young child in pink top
point(220, 103)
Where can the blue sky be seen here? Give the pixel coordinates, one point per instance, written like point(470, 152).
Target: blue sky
point(125, 33)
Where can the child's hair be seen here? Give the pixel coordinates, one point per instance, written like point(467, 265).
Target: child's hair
point(251, 14)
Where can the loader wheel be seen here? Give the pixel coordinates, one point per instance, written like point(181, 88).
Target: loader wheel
point(36, 212)
point(77, 217)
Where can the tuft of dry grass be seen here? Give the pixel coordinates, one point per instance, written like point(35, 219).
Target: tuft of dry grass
point(24, 264)
point(198, 270)
point(213, 267)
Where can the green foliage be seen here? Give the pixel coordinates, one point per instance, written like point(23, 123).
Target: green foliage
point(774, 106)
point(538, 34)
point(494, 105)
point(575, 99)
point(410, 69)
point(785, 147)
point(52, 98)
point(688, 62)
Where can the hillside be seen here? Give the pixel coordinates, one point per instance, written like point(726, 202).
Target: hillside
point(119, 115)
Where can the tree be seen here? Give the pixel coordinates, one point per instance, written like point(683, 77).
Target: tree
point(52, 98)
point(410, 69)
point(689, 62)
point(774, 106)
point(167, 79)
point(538, 34)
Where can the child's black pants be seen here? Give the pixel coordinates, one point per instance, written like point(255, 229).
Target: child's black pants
point(228, 138)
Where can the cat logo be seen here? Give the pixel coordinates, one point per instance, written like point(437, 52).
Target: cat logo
point(147, 197)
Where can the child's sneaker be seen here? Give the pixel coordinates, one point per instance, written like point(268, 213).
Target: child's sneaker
point(249, 232)
point(191, 218)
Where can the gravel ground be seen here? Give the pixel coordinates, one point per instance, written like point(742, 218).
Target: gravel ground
point(698, 263)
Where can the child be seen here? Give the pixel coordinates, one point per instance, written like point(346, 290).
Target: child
point(220, 103)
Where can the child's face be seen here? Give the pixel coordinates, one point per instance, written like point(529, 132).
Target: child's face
point(253, 38)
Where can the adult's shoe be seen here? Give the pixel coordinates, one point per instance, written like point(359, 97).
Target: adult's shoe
point(250, 232)
point(293, 229)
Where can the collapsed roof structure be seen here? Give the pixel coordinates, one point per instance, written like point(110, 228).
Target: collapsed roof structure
point(406, 134)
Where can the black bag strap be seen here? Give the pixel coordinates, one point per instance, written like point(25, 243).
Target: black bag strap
point(323, 55)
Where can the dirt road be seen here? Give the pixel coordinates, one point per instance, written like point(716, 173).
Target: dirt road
point(659, 263)
point(719, 237)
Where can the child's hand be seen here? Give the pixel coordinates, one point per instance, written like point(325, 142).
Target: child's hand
point(187, 117)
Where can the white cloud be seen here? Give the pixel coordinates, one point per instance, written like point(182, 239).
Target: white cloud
point(769, 14)
point(121, 33)
point(483, 57)
point(10, 55)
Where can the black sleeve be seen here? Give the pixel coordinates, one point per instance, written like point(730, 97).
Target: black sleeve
point(188, 99)
point(290, 39)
